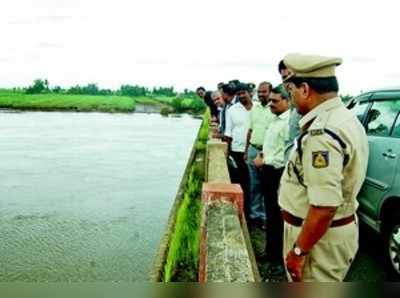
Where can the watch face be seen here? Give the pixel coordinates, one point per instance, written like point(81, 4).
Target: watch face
point(297, 251)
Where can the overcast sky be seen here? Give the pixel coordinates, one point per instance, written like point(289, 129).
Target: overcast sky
point(189, 43)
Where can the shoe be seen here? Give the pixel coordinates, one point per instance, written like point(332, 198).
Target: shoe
point(262, 258)
point(257, 223)
point(276, 271)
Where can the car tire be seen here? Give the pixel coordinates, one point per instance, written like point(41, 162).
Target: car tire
point(392, 247)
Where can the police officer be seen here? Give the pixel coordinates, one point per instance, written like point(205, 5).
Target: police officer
point(323, 176)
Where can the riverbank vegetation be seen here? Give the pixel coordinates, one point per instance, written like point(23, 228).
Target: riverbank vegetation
point(183, 255)
point(41, 96)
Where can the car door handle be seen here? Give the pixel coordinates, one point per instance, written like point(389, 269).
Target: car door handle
point(389, 154)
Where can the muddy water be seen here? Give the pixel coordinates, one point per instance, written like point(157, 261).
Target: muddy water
point(85, 196)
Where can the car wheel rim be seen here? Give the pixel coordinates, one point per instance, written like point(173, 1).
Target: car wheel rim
point(394, 248)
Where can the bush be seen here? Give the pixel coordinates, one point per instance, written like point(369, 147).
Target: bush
point(165, 111)
point(177, 104)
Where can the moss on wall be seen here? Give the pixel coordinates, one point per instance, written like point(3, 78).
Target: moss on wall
point(183, 254)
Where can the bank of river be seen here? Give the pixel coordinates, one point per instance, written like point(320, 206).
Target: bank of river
point(20, 101)
point(86, 196)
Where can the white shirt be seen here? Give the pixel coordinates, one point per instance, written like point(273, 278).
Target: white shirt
point(274, 141)
point(237, 125)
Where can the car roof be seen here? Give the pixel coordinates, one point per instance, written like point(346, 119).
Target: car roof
point(380, 94)
point(387, 89)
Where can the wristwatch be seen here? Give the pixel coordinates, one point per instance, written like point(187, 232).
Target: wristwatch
point(298, 251)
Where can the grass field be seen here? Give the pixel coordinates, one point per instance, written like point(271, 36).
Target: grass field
point(18, 100)
point(51, 102)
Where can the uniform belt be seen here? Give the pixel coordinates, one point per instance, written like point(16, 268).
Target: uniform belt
point(259, 147)
point(297, 221)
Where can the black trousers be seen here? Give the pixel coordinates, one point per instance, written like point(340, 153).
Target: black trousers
point(241, 176)
point(270, 183)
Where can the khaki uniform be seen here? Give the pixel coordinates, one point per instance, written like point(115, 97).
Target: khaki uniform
point(326, 167)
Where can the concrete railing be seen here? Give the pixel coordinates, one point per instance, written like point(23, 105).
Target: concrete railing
point(226, 253)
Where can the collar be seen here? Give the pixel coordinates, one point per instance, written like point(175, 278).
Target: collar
point(257, 104)
point(284, 115)
point(241, 106)
point(318, 110)
point(227, 105)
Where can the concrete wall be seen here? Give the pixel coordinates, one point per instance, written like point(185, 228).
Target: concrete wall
point(226, 254)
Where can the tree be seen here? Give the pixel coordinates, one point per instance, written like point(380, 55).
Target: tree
point(189, 93)
point(46, 84)
point(75, 90)
point(38, 86)
point(106, 92)
point(57, 89)
point(129, 90)
point(91, 89)
point(166, 91)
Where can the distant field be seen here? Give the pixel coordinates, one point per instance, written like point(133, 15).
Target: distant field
point(85, 103)
point(21, 101)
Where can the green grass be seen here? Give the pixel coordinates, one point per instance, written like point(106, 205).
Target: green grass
point(48, 102)
point(146, 100)
point(183, 254)
point(51, 101)
point(162, 98)
point(203, 133)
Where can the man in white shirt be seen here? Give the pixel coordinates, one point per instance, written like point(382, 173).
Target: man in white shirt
point(228, 94)
point(237, 125)
point(273, 163)
point(260, 119)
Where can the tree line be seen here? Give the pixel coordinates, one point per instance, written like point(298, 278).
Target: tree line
point(40, 86)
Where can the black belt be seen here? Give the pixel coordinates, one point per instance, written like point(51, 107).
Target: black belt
point(297, 221)
point(259, 147)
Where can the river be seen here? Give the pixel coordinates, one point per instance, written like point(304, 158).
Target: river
point(86, 196)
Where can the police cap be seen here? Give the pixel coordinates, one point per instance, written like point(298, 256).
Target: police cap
point(311, 66)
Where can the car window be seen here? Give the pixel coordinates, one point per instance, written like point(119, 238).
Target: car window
point(396, 129)
point(359, 109)
point(381, 116)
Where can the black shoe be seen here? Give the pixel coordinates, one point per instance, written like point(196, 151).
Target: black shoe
point(262, 258)
point(263, 227)
point(257, 223)
point(276, 271)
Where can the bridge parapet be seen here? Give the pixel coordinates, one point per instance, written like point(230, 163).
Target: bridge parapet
point(226, 254)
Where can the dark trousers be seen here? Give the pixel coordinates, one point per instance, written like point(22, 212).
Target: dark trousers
point(270, 182)
point(241, 176)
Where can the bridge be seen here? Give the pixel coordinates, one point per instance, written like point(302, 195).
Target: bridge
point(206, 239)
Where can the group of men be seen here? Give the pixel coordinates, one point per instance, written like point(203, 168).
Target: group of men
point(300, 157)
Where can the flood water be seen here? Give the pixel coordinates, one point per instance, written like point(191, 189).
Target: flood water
point(86, 196)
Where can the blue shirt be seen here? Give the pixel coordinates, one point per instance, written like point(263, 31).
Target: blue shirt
point(294, 131)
